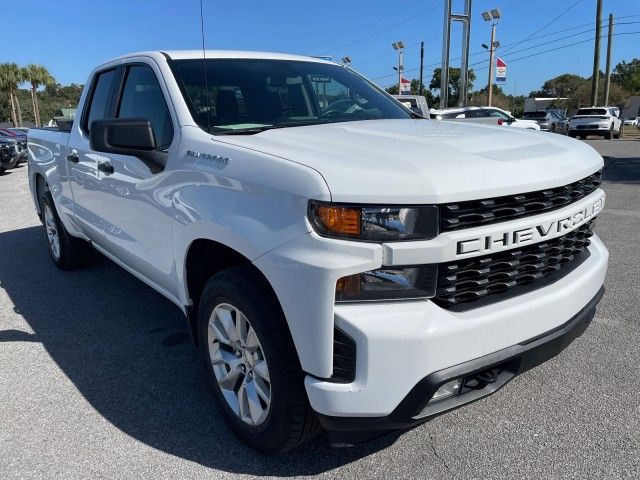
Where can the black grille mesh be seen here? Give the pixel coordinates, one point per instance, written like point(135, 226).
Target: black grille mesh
point(454, 216)
point(344, 357)
point(468, 280)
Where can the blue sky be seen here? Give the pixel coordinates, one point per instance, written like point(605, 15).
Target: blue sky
point(70, 37)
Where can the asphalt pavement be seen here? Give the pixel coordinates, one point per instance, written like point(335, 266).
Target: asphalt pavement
point(98, 378)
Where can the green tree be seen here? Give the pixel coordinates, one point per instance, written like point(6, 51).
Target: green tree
point(627, 75)
point(37, 76)
point(415, 90)
point(454, 83)
point(564, 85)
point(10, 77)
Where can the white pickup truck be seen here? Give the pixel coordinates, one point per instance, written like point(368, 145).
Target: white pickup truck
point(340, 263)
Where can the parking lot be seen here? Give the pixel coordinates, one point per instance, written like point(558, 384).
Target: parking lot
point(98, 378)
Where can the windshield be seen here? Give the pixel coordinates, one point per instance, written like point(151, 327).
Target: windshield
point(591, 111)
point(251, 95)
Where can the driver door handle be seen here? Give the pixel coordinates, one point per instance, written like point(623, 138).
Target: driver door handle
point(105, 167)
point(73, 158)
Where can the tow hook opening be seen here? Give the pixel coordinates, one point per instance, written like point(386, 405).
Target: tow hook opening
point(491, 377)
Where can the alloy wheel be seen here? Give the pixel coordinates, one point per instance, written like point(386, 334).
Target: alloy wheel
point(239, 364)
point(52, 232)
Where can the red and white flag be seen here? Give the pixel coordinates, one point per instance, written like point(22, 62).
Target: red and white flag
point(405, 86)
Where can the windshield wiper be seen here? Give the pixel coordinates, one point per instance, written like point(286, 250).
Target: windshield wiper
point(248, 131)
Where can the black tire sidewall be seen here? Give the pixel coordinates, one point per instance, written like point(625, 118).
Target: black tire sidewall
point(47, 200)
point(226, 287)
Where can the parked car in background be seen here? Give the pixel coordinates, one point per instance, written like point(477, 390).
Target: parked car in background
point(601, 121)
point(559, 122)
point(632, 121)
point(11, 132)
point(416, 103)
point(543, 118)
point(486, 115)
point(17, 148)
point(19, 142)
point(8, 157)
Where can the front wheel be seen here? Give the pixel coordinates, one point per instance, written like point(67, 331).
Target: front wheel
point(254, 370)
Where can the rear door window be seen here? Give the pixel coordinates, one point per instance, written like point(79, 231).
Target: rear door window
point(100, 98)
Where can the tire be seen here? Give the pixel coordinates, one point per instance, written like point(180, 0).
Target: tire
point(609, 134)
point(66, 251)
point(2, 169)
point(287, 420)
point(620, 132)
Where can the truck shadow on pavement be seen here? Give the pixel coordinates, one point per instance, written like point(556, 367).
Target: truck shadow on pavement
point(127, 350)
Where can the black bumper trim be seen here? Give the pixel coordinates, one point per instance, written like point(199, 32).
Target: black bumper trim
point(509, 362)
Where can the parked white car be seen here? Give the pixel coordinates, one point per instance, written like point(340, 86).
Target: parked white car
point(601, 121)
point(632, 122)
point(486, 115)
point(340, 262)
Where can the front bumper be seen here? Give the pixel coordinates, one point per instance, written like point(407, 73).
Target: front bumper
point(400, 343)
point(502, 365)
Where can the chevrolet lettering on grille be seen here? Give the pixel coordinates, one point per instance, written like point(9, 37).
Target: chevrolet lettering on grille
point(531, 234)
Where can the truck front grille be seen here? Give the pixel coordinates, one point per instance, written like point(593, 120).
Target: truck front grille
point(455, 216)
point(470, 280)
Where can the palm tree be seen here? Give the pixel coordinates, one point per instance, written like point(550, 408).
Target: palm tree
point(10, 78)
point(37, 75)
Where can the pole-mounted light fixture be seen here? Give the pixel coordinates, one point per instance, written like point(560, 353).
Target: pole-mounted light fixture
point(492, 16)
point(399, 47)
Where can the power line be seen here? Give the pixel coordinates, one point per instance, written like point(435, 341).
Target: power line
point(386, 17)
point(553, 41)
point(554, 19)
point(521, 50)
point(413, 17)
point(562, 47)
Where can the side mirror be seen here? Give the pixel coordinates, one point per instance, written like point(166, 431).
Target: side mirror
point(127, 136)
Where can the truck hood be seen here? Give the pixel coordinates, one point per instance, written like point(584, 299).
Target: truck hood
point(426, 161)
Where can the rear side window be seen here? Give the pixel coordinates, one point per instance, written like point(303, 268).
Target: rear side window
point(143, 98)
point(99, 106)
point(591, 111)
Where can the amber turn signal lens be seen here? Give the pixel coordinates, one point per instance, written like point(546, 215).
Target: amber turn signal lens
point(340, 219)
point(348, 286)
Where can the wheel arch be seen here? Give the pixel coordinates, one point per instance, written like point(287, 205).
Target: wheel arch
point(204, 258)
point(40, 184)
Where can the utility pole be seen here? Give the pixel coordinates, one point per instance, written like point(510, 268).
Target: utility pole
point(596, 56)
point(607, 79)
point(399, 47)
point(491, 50)
point(492, 16)
point(421, 66)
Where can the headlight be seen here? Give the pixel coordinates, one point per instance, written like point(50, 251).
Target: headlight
point(389, 283)
point(374, 223)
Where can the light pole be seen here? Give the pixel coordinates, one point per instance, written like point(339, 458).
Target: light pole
point(346, 61)
point(492, 16)
point(399, 47)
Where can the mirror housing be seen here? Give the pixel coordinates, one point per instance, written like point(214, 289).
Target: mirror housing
point(127, 136)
